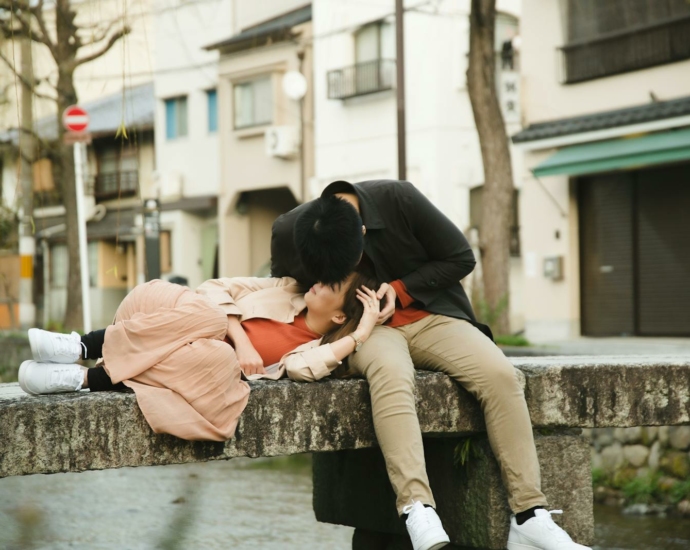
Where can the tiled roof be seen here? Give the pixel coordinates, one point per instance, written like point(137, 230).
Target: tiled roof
point(278, 28)
point(657, 110)
point(106, 114)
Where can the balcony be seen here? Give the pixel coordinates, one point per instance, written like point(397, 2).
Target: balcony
point(361, 79)
point(627, 50)
point(116, 185)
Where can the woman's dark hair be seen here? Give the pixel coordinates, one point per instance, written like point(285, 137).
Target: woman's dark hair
point(329, 240)
point(353, 310)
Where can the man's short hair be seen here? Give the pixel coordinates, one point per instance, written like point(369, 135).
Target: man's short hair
point(329, 240)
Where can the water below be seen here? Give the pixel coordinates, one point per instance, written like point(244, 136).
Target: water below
point(240, 504)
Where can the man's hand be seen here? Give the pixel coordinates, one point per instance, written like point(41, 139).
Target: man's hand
point(249, 358)
point(387, 312)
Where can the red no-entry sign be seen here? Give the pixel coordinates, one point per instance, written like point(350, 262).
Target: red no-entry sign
point(75, 119)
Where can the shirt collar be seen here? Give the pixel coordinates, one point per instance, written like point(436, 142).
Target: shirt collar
point(368, 211)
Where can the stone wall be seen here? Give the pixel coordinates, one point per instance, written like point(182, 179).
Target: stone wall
point(645, 469)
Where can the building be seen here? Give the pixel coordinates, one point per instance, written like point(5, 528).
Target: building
point(355, 104)
point(265, 127)
point(119, 173)
point(187, 131)
point(605, 198)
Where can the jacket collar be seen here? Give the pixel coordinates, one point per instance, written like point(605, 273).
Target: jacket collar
point(369, 212)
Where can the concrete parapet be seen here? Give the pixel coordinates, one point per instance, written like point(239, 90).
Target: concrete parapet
point(82, 431)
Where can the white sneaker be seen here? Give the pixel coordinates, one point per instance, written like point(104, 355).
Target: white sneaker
point(40, 378)
point(54, 347)
point(424, 527)
point(540, 533)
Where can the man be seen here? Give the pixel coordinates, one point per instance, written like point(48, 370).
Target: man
point(427, 323)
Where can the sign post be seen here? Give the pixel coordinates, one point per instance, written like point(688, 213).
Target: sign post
point(76, 121)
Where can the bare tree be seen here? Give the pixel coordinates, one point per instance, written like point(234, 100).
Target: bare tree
point(65, 40)
point(497, 196)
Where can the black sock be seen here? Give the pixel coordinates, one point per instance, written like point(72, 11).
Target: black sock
point(94, 344)
point(522, 517)
point(99, 380)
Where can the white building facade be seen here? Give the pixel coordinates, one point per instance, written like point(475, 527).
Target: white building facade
point(186, 137)
point(355, 101)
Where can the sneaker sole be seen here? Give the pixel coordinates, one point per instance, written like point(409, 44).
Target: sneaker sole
point(520, 546)
point(434, 544)
point(20, 377)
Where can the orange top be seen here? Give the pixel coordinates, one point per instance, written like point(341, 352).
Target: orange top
point(273, 339)
point(408, 314)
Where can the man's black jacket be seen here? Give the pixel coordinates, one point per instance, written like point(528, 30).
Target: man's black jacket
point(407, 238)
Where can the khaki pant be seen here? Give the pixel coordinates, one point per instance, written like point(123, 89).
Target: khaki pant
point(460, 350)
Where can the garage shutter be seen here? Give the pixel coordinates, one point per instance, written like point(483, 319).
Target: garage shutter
point(663, 237)
point(606, 255)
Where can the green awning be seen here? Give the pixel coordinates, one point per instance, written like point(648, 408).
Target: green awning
point(618, 154)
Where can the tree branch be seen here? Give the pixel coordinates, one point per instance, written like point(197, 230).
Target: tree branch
point(23, 80)
point(124, 31)
point(104, 32)
point(37, 12)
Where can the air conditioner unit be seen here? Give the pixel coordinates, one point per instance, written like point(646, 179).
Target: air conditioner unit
point(282, 141)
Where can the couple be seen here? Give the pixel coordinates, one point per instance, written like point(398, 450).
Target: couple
point(167, 343)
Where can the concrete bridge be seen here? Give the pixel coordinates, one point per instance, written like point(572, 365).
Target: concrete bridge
point(332, 418)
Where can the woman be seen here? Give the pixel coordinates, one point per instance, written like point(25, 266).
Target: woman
point(167, 344)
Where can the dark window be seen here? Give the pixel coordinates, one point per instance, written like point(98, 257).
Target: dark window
point(118, 173)
point(212, 98)
point(609, 37)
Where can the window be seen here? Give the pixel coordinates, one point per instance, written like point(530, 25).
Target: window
point(375, 41)
point(59, 261)
point(118, 172)
point(253, 103)
point(176, 117)
point(212, 100)
point(617, 36)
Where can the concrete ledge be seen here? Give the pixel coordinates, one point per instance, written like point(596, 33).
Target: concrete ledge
point(77, 432)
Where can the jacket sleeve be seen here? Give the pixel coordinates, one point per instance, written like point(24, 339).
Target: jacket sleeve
point(310, 362)
point(450, 254)
point(228, 290)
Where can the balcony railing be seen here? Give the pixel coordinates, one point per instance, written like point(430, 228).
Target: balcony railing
point(361, 79)
point(116, 184)
point(628, 50)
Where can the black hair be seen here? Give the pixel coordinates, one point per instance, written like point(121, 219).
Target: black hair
point(329, 240)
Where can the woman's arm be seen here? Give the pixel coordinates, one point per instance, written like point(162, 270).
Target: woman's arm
point(227, 290)
point(312, 362)
point(249, 359)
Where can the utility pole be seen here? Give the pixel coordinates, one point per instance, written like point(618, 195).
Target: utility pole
point(400, 89)
point(27, 242)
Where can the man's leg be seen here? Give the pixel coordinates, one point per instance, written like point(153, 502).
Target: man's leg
point(385, 362)
point(460, 350)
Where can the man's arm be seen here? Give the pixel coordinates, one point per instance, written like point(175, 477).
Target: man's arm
point(450, 255)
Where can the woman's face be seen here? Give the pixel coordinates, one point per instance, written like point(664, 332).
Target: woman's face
point(327, 301)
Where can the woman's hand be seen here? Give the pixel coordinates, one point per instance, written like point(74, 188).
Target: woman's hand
point(370, 316)
point(249, 358)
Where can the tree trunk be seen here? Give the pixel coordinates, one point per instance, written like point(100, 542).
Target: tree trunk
point(64, 158)
point(497, 196)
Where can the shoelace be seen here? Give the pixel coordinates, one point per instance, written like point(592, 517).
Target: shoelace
point(417, 520)
point(64, 378)
point(559, 534)
point(64, 344)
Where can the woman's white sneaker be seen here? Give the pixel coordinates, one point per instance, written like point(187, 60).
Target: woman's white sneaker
point(424, 527)
point(54, 347)
point(540, 533)
point(42, 378)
